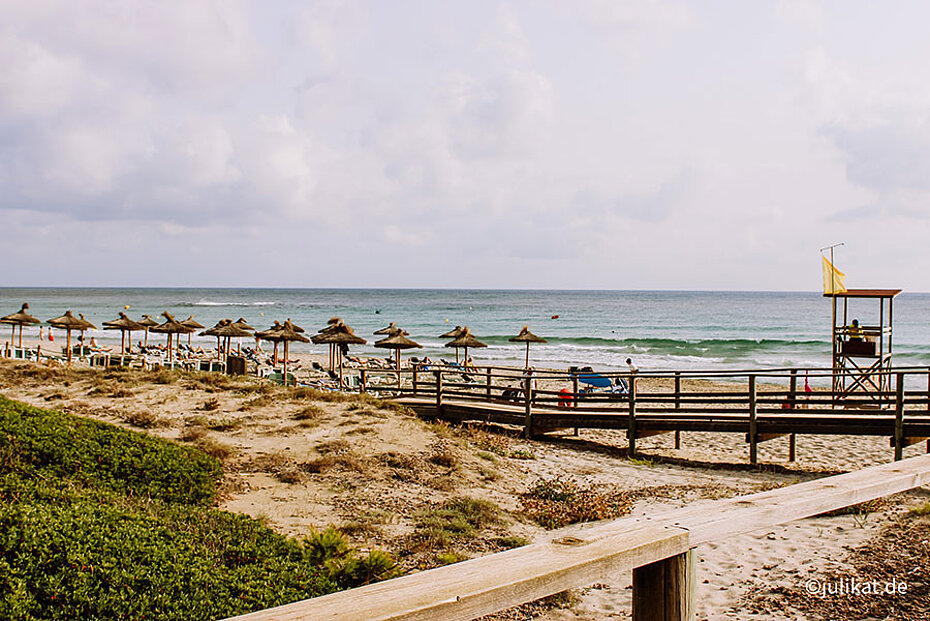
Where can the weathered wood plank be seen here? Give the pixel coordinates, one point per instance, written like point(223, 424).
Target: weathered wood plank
point(484, 585)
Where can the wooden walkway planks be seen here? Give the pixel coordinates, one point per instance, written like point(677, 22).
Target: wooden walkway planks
point(582, 555)
point(828, 422)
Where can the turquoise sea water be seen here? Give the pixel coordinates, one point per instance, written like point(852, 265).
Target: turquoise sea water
point(658, 329)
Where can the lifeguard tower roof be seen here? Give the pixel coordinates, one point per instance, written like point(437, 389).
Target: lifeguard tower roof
point(864, 293)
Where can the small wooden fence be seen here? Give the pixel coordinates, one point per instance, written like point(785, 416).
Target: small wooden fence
point(658, 549)
point(763, 404)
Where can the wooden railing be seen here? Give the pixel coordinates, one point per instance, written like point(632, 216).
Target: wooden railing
point(763, 404)
point(657, 548)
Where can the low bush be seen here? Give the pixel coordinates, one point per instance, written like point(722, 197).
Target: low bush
point(554, 503)
point(98, 522)
point(57, 446)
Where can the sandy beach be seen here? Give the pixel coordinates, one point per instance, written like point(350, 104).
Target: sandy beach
point(299, 460)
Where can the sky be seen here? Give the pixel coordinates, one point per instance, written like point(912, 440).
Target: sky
point(558, 144)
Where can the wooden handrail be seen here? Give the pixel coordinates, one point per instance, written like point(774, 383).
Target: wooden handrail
point(581, 555)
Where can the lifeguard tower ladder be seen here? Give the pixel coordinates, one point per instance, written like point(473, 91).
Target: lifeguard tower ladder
point(862, 368)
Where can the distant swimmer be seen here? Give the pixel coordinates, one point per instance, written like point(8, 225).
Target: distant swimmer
point(554, 317)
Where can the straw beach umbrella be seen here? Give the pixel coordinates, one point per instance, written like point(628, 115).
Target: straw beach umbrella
point(171, 326)
point(338, 335)
point(454, 333)
point(242, 325)
point(191, 323)
point(147, 323)
point(231, 330)
point(390, 329)
point(212, 332)
point(527, 337)
point(124, 324)
point(397, 341)
point(20, 318)
point(88, 326)
point(466, 339)
point(69, 323)
point(270, 335)
point(330, 326)
point(285, 334)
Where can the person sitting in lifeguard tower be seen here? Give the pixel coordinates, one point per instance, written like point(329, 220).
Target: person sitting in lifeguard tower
point(855, 331)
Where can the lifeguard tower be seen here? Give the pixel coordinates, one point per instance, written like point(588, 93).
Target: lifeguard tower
point(862, 358)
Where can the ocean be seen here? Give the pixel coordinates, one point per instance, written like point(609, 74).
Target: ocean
point(660, 330)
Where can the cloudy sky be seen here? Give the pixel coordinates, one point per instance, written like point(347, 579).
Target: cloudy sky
point(641, 144)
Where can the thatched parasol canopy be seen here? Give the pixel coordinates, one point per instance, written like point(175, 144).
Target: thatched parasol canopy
point(397, 341)
point(147, 322)
point(452, 334)
point(286, 334)
point(124, 324)
point(190, 322)
point(170, 327)
point(20, 318)
point(229, 330)
point(68, 322)
point(241, 323)
point(337, 334)
point(465, 339)
point(270, 333)
point(294, 326)
point(527, 337)
point(391, 329)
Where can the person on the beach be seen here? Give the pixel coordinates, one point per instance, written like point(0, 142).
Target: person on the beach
point(529, 375)
point(855, 331)
point(633, 368)
point(41, 333)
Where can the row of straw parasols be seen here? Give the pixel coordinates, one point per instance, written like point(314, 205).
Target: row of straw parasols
point(337, 334)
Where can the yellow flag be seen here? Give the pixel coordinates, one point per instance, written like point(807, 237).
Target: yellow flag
point(834, 281)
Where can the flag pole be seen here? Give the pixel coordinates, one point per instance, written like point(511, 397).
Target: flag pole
point(833, 295)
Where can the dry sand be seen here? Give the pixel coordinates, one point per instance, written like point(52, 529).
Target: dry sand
point(300, 464)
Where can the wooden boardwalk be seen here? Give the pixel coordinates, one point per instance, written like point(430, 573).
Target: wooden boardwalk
point(760, 412)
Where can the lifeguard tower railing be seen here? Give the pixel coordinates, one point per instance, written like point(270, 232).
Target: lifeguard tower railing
point(862, 366)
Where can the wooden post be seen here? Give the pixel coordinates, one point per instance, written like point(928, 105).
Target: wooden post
point(438, 392)
point(677, 407)
point(574, 391)
point(793, 400)
point(753, 432)
point(363, 384)
point(899, 417)
point(631, 429)
point(528, 398)
point(664, 590)
point(488, 372)
point(416, 373)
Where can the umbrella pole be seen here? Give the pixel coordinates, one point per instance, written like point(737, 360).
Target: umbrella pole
point(68, 339)
point(527, 366)
point(285, 362)
point(122, 343)
point(146, 336)
point(398, 369)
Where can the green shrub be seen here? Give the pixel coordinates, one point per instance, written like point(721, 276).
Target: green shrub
point(98, 522)
point(58, 446)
